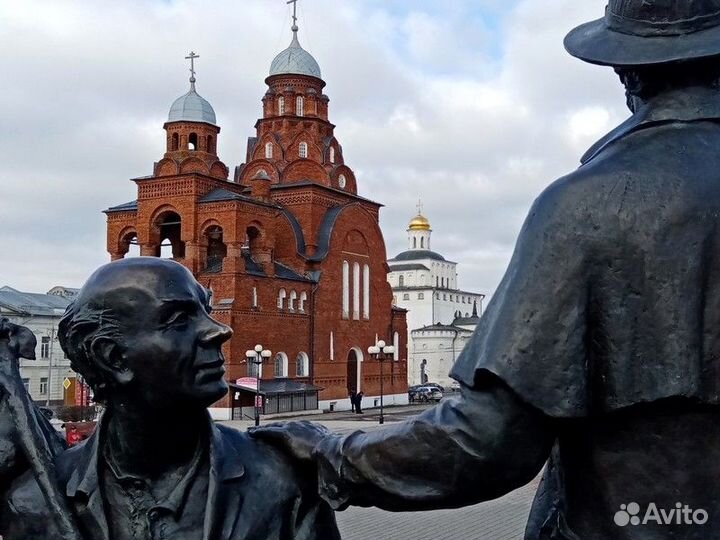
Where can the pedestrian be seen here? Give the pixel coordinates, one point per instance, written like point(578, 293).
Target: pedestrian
point(353, 400)
point(358, 402)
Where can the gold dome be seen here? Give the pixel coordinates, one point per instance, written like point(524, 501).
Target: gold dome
point(419, 223)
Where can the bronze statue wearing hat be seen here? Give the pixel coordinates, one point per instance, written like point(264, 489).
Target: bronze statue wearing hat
point(599, 355)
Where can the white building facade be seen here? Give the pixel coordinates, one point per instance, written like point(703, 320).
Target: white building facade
point(41, 313)
point(426, 284)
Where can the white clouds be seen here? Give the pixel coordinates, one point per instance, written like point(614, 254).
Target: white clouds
point(474, 113)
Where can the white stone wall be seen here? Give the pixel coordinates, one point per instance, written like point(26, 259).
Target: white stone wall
point(440, 348)
point(38, 369)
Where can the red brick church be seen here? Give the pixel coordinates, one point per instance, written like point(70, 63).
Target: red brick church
point(293, 255)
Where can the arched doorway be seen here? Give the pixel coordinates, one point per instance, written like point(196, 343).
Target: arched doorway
point(169, 226)
point(354, 370)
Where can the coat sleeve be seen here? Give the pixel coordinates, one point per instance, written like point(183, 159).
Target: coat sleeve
point(534, 332)
point(469, 449)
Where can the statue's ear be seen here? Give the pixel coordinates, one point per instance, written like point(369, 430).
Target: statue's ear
point(108, 358)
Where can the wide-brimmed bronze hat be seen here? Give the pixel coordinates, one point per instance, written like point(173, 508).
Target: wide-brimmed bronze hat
point(645, 32)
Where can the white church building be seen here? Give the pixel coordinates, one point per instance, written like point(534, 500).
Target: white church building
point(440, 315)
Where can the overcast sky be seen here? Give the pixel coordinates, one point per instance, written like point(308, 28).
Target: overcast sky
point(471, 105)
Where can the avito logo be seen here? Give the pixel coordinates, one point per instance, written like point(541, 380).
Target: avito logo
point(682, 514)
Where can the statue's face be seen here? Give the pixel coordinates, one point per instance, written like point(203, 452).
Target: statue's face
point(170, 350)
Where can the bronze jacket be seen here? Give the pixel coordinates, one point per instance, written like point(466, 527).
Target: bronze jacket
point(254, 493)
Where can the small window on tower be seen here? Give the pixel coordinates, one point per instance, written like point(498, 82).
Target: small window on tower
point(268, 150)
point(300, 106)
point(192, 141)
point(342, 182)
point(281, 105)
point(210, 144)
point(332, 154)
point(175, 145)
point(303, 150)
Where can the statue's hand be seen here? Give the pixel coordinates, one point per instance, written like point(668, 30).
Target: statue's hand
point(299, 439)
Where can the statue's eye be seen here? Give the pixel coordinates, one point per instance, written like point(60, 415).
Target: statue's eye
point(178, 318)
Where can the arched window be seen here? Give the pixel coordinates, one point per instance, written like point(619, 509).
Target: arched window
point(300, 106)
point(268, 150)
point(342, 181)
point(422, 243)
point(175, 145)
point(396, 344)
point(216, 249)
point(345, 290)
point(170, 233)
point(414, 243)
point(281, 105)
point(302, 364)
point(281, 299)
point(292, 300)
point(303, 150)
point(356, 291)
point(366, 292)
point(281, 365)
point(401, 281)
point(332, 154)
point(303, 299)
point(210, 144)
point(193, 141)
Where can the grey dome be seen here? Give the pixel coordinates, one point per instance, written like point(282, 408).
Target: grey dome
point(417, 254)
point(295, 60)
point(192, 108)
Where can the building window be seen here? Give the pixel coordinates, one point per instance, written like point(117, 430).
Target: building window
point(281, 105)
point(444, 296)
point(422, 243)
point(254, 297)
point(175, 145)
point(300, 106)
point(332, 154)
point(291, 302)
point(268, 150)
point(303, 150)
point(302, 365)
point(406, 296)
point(401, 281)
point(281, 299)
point(43, 386)
point(26, 384)
point(281, 365)
point(45, 347)
point(346, 290)
point(396, 344)
point(414, 243)
point(421, 296)
point(193, 141)
point(356, 291)
point(303, 299)
point(342, 182)
point(366, 292)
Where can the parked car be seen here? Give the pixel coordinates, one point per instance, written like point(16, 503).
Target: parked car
point(424, 393)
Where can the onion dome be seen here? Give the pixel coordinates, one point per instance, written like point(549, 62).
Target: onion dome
point(295, 60)
point(419, 223)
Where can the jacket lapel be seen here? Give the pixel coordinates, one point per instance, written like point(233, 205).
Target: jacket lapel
point(83, 490)
point(224, 498)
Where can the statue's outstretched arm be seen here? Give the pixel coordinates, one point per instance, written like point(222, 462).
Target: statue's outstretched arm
point(468, 449)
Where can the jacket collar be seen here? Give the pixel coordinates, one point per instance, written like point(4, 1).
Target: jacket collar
point(225, 466)
point(685, 105)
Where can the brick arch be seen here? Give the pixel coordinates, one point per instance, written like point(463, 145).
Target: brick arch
point(350, 181)
point(356, 242)
point(305, 169)
point(194, 165)
point(252, 168)
point(278, 150)
point(219, 170)
point(166, 167)
point(210, 223)
point(315, 153)
point(123, 239)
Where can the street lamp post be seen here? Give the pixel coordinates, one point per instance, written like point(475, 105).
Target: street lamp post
point(380, 352)
point(255, 356)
